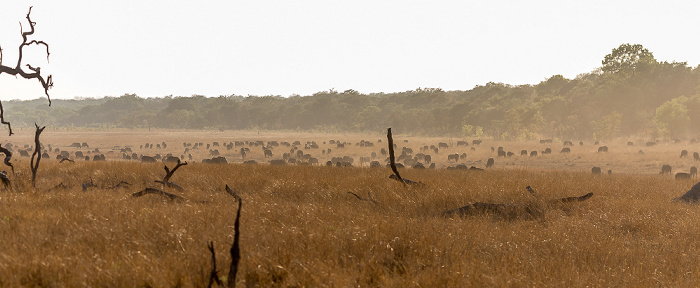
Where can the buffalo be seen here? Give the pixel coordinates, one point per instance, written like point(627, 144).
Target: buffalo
point(665, 169)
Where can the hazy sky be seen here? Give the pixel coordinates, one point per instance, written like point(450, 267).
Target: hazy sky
point(212, 48)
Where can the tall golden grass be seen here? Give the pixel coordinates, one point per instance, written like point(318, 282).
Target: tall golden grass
point(300, 227)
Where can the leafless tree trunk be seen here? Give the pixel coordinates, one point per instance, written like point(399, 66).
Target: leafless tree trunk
point(37, 153)
point(392, 160)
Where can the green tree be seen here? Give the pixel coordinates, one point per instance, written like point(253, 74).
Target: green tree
point(672, 118)
point(607, 127)
point(627, 58)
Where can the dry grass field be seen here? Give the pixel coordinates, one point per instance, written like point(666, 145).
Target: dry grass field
point(301, 228)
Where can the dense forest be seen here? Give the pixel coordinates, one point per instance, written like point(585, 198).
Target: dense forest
point(630, 95)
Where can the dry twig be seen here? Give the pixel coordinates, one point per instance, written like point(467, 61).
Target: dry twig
point(364, 199)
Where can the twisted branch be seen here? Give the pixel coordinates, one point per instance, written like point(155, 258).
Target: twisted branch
point(8, 156)
point(17, 70)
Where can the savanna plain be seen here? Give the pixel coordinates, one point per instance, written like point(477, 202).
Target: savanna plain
point(299, 226)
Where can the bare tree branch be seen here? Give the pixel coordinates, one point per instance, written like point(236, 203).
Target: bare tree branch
point(2, 118)
point(17, 70)
point(8, 157)
point(169, 173)
point(232, 193)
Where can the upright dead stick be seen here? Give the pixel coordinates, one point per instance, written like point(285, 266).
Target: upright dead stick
point(235, 248)
point(213, 275)
point(37, 152)
point(391, 157)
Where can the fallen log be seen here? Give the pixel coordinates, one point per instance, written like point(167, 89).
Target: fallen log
point(146, 191)
point(528, 211)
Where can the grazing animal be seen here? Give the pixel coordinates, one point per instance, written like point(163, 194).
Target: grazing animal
point(696, 156)
point(565, 150)
point(596, 170)
point(682, 176)
point(533, 153)
point(453, 157)
point(146, 159)
point(692, 196)
point(523, 152)
point(684, 153)
point(602, 149)
point(694, 172)
point(268, 152)
point(489, 163)
point(666, 169)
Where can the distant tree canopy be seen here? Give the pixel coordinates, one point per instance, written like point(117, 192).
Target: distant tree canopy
point(631, 95)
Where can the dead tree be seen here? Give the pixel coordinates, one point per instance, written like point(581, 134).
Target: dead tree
point(169, 173)
point(18, 68)
point(235, 250)
point(37, 153)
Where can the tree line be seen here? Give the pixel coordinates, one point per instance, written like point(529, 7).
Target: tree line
point(631, 95)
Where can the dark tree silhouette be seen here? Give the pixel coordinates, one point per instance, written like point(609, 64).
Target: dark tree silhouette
point(18, 68)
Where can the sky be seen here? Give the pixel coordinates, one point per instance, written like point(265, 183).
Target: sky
point(212, 48)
